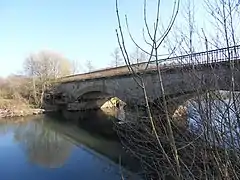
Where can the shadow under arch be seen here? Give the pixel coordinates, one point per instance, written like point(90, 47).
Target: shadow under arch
point(42, 145)
point(93, 99)
point(104, 89)
point(94, 121)
point(174, 101)
point(179, 105)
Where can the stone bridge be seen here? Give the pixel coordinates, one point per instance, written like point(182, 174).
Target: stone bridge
point(180, 76)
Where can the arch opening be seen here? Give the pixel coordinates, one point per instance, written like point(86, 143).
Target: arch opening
point(95, 100)
point(211, 115)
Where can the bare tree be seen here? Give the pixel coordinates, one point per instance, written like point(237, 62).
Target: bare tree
point(208, 146)
point(117, 59)
point(47, 65)
point(89, 66)
point(224, 17)
point(76, 67)
point(44, 67)
point(138, 56)
point(155, 41)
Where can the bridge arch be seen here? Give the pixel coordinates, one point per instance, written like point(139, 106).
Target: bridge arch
point(180, 107)
point(177, 105)
point(97, 88)
point(96, 96)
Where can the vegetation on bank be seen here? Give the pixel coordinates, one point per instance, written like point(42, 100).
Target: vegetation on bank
point(23, 94)
point(15, 100)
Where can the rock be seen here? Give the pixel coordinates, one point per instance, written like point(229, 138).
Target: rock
point(180, 117)
point(38, 111)
point(5, 113)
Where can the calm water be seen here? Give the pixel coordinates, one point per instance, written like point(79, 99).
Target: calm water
point(44, 149)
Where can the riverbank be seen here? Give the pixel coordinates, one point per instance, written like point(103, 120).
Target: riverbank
point(8, 113)
point(15, 108)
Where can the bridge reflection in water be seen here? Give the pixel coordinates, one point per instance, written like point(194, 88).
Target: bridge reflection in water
point(50, 144)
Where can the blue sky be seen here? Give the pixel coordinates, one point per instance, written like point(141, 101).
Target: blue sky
point(79, 29)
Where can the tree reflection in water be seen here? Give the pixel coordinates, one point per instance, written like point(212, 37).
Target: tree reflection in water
point(42, 145)
point(4, 128)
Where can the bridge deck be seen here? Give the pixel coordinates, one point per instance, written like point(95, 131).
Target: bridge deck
point(185, 61)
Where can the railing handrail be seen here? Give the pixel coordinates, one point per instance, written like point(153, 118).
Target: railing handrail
point(161, 60)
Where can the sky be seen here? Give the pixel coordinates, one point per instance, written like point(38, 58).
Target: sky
point(78, 29)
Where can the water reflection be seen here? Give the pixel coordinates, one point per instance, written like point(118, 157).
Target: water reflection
point(98, 139)
point(95, 121)
point(42, 145)
point(46, 149)
point(4, 128)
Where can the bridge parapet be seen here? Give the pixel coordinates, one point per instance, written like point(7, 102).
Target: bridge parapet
point(184, 61)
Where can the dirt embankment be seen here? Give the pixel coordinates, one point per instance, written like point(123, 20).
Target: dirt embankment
point(16, 108)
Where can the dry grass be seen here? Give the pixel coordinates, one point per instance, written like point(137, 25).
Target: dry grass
point(12, 104)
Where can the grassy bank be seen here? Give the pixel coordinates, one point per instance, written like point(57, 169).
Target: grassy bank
point(17, 97)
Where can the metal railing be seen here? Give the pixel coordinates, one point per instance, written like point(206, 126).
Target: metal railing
point(206, 57)
point(200, 58)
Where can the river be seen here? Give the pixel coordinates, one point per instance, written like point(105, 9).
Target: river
point(43, 148)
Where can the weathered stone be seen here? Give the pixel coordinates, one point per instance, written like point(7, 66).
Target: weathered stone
point(180, 117)
point(176, 80)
